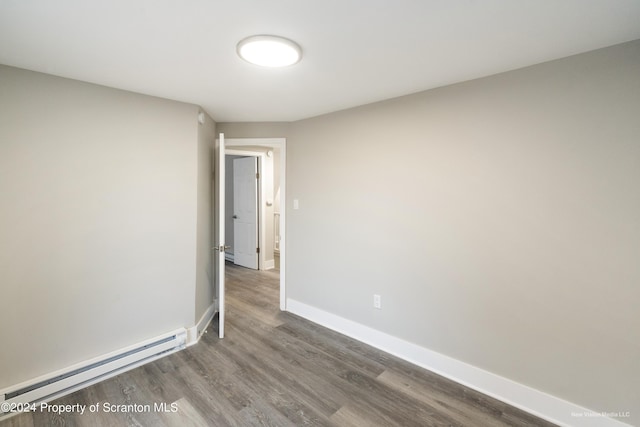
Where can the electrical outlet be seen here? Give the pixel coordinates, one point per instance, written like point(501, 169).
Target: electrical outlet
point(377, 301)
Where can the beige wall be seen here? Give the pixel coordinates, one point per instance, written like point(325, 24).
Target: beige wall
point(98, 220)
point(254, 129)
point(499, 219)
point(205, 283)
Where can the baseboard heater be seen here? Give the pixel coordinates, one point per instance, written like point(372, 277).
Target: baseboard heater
point(92, 371)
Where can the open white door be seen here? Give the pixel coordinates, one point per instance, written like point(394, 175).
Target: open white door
point(219, 238)
point(245, 212)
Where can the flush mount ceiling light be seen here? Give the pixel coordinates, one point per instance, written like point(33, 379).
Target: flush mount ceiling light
point(269, 51)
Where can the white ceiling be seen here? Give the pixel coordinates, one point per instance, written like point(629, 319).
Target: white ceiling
point(355, 51)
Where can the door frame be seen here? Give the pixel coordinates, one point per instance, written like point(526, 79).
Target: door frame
point(280, 143)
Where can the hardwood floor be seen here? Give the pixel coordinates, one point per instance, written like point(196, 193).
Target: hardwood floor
point(276, 369)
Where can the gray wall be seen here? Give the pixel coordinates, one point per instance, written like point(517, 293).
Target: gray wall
point(205, 283)
point(254, 129)
point(98, 220)
point(498, 218)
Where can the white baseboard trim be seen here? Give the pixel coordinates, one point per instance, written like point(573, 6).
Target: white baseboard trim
point(269, 264)
point(528, 399)
point(195, 332)
point(60, 383)
point(229, 256)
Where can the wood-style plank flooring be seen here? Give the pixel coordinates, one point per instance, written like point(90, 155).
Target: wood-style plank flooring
point(276, 369)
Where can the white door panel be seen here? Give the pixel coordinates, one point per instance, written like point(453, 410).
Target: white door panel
point(245, 212)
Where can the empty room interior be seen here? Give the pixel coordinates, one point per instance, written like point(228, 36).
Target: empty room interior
point(406, 213)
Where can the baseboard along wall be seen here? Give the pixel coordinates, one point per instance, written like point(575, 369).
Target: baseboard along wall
point(195, 332)
point(536, 402)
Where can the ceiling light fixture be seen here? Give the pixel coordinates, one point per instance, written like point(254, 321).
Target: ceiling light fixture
point(269, 51)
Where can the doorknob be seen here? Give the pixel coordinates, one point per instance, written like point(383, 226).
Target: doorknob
point(222, 248)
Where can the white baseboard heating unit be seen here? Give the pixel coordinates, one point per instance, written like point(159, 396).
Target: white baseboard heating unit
point(60, 383)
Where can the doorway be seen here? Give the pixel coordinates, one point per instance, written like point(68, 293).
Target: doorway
point(271, 163)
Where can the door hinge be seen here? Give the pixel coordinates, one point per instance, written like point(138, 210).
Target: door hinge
point(257, 250)
point(257, 175)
